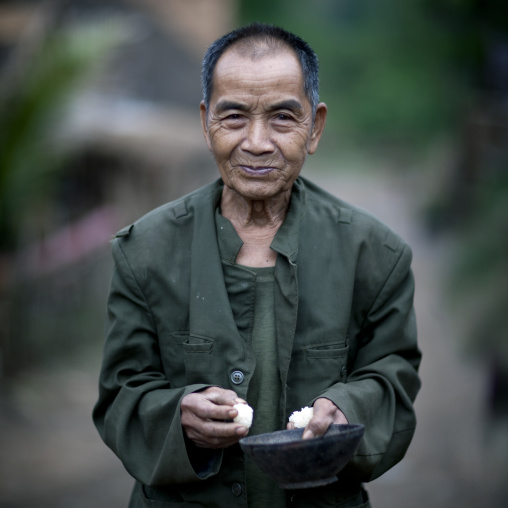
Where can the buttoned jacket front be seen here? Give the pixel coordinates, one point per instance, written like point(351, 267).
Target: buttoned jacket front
point(345, 330)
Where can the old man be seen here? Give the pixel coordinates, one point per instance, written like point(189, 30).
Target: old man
point(259, 287)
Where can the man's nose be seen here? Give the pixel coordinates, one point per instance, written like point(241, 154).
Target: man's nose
point(257, 139)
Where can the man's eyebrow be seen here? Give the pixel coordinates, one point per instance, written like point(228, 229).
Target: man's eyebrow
point(226, 105)
point(290, 104)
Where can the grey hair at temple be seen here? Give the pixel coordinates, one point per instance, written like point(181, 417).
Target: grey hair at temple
point(275, 37)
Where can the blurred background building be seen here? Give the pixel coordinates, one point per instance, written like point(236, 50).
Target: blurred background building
point(99, 124)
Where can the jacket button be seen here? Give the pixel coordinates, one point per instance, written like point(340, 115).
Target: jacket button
point(343, 371)
point(237, 378)
point(236, 489)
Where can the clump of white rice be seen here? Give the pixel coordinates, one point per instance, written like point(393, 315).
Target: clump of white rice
point(301, 418)
point(245, 413)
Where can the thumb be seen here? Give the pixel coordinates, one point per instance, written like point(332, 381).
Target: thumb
point(308, 434)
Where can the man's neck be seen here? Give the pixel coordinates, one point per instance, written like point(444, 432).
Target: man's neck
point(256, 222)
point(251, 214)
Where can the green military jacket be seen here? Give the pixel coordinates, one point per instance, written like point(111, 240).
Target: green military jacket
point(345, 330)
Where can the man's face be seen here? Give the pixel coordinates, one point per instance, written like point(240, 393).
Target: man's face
point(259, 123)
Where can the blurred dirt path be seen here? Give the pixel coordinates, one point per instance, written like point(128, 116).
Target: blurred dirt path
point(52, 457)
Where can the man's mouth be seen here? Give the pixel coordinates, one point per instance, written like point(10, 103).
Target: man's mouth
point(257, 170)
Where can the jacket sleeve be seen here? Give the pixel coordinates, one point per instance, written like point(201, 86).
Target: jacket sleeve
point(138, 412)
point(382, 380)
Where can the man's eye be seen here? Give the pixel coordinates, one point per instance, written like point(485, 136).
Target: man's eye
point(234, 121)
point(283, 117)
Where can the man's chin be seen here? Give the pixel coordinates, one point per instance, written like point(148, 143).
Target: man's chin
point(257, 191)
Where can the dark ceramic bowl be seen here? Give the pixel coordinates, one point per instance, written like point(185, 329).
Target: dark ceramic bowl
point(297, 463)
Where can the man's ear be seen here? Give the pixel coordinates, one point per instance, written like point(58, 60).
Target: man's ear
point(204, 123)
point(318, 128)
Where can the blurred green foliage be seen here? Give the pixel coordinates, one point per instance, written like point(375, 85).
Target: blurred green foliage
point(33, 98)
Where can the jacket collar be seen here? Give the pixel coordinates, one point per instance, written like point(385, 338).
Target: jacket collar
point(286, 238)
point(209, 303)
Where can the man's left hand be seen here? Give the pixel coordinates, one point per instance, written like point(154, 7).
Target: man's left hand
point(325, 413)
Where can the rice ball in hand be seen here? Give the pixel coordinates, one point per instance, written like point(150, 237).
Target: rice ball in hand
point(245, 413)
point(300, 419)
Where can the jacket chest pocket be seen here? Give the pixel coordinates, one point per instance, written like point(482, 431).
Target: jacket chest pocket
point(197, 345)
point(187, 358)
point(200, 361)
point(314, 368)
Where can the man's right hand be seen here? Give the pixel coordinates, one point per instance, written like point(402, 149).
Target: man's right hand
point(207, 416)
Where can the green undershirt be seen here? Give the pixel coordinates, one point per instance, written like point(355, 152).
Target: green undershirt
point(264, 387)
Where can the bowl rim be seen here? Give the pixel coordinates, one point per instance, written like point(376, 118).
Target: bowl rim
point(347, 428)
